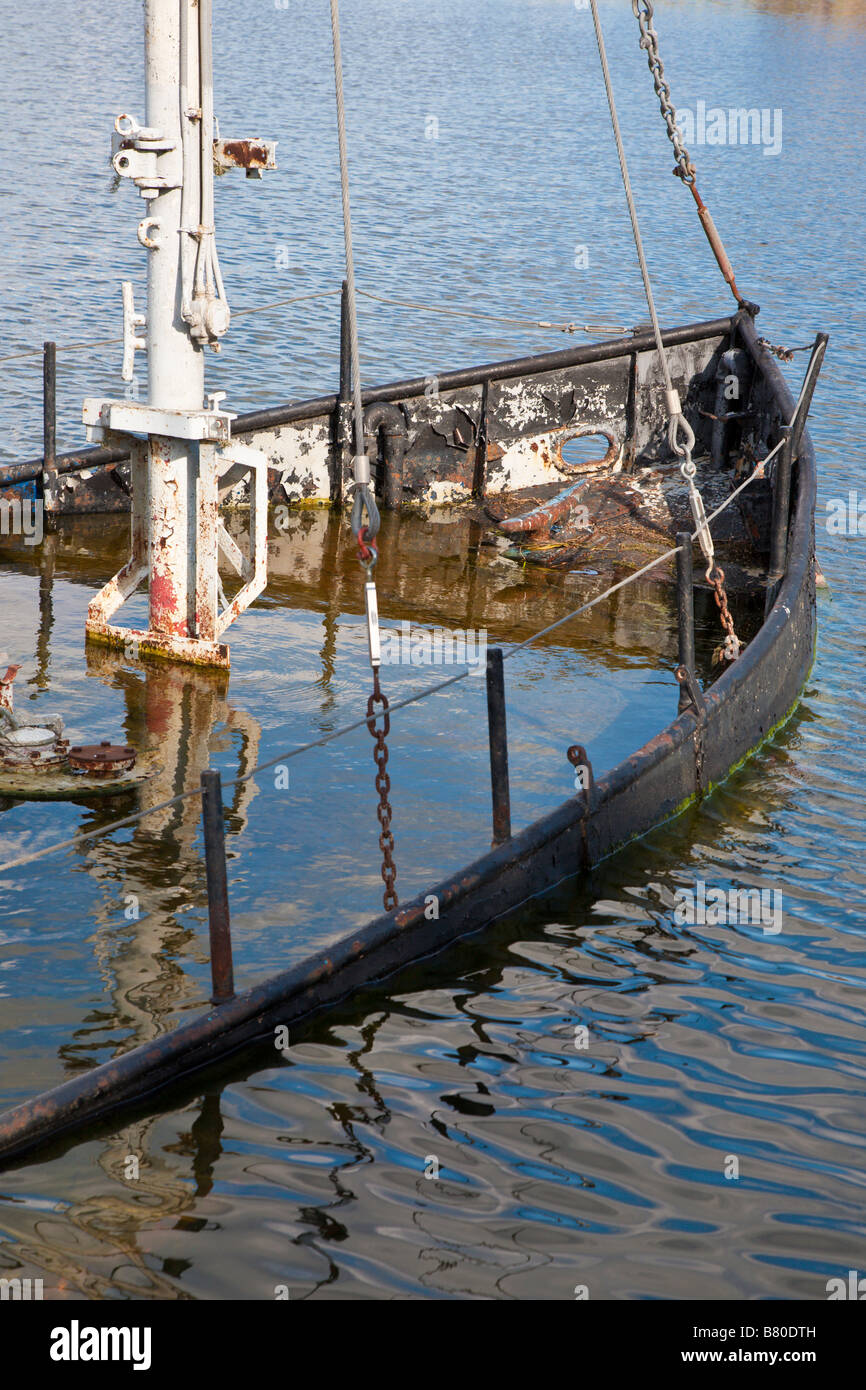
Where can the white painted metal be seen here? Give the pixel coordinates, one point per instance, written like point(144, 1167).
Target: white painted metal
point(176, 472)
point(132, 341)
point(175, 363)
point(254, 571)
point(128, 417)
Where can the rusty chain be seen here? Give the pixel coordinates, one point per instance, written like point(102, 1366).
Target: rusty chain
point(685, 169)
point(383, 787)
point(715, 575)
point(784, 354)
point(643, 12)
point(730, 649)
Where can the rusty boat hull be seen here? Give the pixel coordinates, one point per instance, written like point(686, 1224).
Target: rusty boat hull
point(609, 386)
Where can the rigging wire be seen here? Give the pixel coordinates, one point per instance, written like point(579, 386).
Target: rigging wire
point(681, 436)
point(618, 329)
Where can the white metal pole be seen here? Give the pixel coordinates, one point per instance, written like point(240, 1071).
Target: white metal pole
point(175, 363)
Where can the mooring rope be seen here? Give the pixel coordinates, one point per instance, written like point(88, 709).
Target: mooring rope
point(632, 209)
point(347, 227)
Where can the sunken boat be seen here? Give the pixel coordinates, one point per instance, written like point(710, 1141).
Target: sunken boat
point(676, 457)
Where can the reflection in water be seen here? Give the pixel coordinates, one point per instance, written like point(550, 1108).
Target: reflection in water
point(172, 713)
point(843, 12)
point(182, 718)
point(151, 954)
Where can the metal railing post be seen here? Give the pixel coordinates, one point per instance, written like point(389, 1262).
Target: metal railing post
point(45, 484)
point(785, 465)
point(498, 747)
point(781, 510)
point(345, 346)
point(222, 973)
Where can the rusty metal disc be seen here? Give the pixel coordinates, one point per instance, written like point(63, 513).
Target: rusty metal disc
point(102, 759)
point(31, 748)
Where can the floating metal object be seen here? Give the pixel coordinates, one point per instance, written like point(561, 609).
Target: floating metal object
point(36, 762)
point(102, 759)
point(31, 747)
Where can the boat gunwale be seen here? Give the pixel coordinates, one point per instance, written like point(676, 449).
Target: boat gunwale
point(318, 407)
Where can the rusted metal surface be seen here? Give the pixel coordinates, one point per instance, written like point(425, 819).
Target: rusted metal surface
point(691, 695)
point(36, 750)
point(27, 784)
point(37, 764)
point(685, 610)
point(481, 419)
point(25, 744)
point(144, 644)
point(172, 544)
point(541, 518)
point(383, 787)
point(388, 421)
point(716, 243)
point(7, 697)
point(102, 759)
point(252, 155)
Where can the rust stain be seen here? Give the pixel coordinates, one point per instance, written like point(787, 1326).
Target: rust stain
point(243, 154)
point(163, 600)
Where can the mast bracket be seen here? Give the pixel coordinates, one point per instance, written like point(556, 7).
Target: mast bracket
point(146, 155)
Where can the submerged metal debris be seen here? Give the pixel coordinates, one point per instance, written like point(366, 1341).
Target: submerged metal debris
point(37, 763)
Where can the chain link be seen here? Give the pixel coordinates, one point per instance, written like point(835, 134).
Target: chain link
point(383, 787)
point(732, 646)
point(679, 426)
point(649, 41)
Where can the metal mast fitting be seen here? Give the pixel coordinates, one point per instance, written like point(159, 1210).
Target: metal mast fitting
point(182, 456)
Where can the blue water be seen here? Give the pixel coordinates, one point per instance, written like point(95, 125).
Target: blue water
point(711, 1048)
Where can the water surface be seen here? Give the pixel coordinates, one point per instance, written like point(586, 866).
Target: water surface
point(558, 1166)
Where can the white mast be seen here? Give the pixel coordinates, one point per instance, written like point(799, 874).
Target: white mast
point(181, 449)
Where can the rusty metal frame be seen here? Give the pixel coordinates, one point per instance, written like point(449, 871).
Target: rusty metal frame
point(220, 468)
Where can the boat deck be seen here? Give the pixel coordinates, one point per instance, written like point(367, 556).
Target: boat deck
point(621, 520)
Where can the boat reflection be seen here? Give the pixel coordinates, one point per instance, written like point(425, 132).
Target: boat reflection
point(180, 720)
